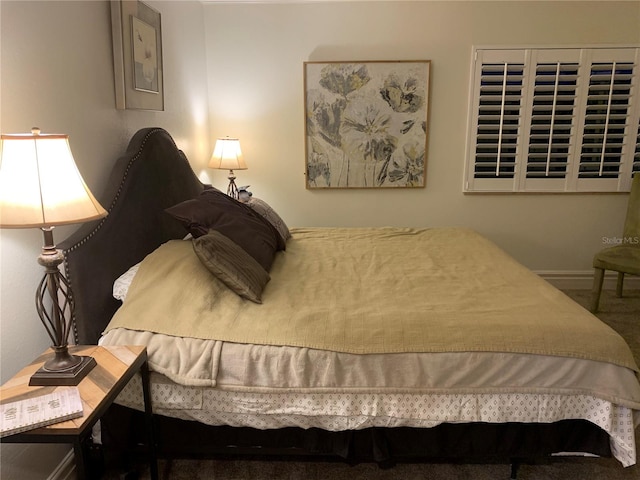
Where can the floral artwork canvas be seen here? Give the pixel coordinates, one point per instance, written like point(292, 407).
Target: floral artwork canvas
point(366, 124)
point(145, 58)
point(136, 36)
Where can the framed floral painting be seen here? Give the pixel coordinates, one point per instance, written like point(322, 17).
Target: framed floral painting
point(137, 55)
point(366, 124)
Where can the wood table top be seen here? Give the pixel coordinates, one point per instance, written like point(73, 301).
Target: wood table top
point(116, 365)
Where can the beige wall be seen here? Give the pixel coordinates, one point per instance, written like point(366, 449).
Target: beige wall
point(57, 73)
point(255, 58)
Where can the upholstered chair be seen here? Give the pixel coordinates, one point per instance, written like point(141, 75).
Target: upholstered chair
point(624, 257)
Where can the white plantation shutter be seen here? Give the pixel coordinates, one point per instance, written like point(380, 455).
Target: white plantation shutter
point(498, 120)
point(554, 110)
point(553, 120)
point(496, 126)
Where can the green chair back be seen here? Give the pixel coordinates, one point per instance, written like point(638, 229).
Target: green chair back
point(632, 222)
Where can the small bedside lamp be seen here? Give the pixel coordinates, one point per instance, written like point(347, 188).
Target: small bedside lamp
point(40, 187)
point(228, 156)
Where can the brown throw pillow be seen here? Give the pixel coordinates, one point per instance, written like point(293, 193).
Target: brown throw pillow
point(214, 210)
point(231, 265)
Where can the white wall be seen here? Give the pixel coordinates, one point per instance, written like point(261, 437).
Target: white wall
point(56, 69)
point(255, 58)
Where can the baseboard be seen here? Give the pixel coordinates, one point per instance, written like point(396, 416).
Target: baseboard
point(66, 469)
point(583, 280)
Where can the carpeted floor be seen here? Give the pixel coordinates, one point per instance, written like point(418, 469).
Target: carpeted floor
point(621, 314)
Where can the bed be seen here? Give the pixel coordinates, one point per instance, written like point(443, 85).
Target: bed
point(365, 344)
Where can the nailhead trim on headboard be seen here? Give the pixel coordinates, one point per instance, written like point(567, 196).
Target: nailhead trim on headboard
point(101, 223)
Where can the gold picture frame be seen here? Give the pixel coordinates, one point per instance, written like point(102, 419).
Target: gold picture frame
point(366, 124)
point(137, 55)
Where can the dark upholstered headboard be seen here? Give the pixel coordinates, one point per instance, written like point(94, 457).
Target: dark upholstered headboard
point(152, 175)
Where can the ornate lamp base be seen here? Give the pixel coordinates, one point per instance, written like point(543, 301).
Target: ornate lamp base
point(232, 189)
point(54, 290)
point(46, 376)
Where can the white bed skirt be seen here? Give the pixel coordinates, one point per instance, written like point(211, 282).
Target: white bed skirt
point(353, 411)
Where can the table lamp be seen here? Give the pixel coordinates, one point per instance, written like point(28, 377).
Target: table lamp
point(40, 186)
point(228, 156)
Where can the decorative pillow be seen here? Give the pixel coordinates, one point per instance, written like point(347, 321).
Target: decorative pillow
point(215, 210)
point(231, 265)
point(264, 209)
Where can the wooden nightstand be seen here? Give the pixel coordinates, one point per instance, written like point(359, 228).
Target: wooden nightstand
point(115, 367)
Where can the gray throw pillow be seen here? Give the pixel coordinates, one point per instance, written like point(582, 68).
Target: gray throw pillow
point(231, 265)
point(264, 209)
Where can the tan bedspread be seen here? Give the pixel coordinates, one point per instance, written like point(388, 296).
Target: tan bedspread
point(380, 290)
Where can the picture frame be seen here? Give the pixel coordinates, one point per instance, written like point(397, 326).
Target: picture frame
point(366, 124)
point(137, 55)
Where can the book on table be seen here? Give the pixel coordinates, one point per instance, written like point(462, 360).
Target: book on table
point(23, 415)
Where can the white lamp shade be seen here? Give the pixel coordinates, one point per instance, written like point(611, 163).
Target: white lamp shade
point(227, 155)
point(40, 185)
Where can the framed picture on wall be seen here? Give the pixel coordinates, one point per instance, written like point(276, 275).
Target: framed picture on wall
point(366, 124)
point(137, 55)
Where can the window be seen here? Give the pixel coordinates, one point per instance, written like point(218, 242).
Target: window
point(553, 120)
